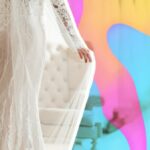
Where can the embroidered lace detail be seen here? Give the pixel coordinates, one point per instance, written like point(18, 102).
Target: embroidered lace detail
point(64, 12)
point(35, 7)
point(4, 13)
point(25, 8)
point(4, 6)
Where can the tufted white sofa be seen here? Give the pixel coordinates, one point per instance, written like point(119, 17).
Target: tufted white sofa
point(63, 73)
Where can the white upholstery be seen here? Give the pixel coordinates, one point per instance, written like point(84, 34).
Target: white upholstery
point(63, 69)
point(62, 75)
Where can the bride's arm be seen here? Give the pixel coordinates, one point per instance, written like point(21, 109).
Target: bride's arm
point(64, 12)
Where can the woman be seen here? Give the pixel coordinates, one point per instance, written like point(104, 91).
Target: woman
point(23, 52)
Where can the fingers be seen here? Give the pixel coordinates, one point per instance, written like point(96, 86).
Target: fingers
point(89, 57)
point(85, 53)
point(80, 54)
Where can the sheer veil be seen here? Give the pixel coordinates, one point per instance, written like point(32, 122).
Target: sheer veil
point(23, 44)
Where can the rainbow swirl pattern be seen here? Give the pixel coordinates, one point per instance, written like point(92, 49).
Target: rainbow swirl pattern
point(118, 33)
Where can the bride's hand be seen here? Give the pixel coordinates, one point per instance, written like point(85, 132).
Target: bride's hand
point(85, 53)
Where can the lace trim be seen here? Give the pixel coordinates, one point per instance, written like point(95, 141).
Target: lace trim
point(24, 8)
point(27, 5)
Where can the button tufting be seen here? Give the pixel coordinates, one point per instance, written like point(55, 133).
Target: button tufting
point(46, 68)
point(57, 49)
point(65, 79)
point(46, 88)
point(64, 59)
point(66, 100)
point(58, 68)
point(71, 88)
point(59, 90)
point(52, 58)
point(53, 99)
point(40, 99)
point(52, 79)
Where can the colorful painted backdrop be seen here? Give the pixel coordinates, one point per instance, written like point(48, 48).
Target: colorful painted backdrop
point(118, 31)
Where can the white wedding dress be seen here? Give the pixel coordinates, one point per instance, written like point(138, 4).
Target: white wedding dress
point(38, 56)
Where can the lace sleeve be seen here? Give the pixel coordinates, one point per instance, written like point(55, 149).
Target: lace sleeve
point(64, 12)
